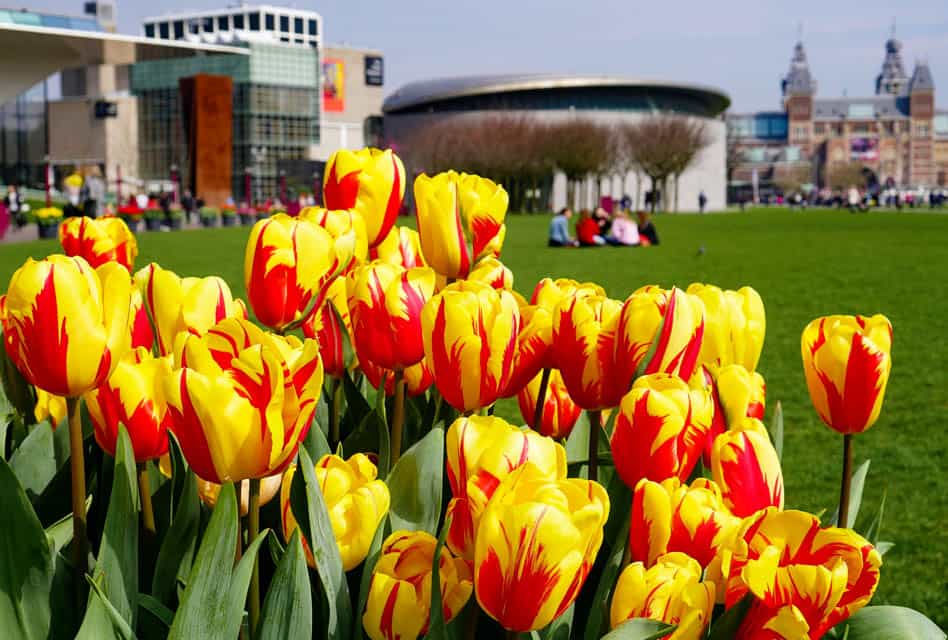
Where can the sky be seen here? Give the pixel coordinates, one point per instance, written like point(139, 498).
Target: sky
point(742, 47)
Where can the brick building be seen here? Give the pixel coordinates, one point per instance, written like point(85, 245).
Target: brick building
point(897, 136)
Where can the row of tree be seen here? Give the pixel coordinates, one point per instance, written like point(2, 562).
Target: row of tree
point(523, 153)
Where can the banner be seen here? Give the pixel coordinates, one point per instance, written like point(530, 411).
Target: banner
point(334, 88)
point(864, 149)
point(374, 71)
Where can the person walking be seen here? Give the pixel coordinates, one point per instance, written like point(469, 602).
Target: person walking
point(702, 201)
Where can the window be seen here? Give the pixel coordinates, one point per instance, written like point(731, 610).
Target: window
point(284, 39)
point(149, 31)
point(163, 30)
point(298, 41)
point(208, 24)
point(860, 127)
point(178, 29)
point(194, 27)
point(239, 21)
point(861, 111)
point(922, 130)
point(312, 28)
point(819, 129)
point(285, 24)
point(269, 22)
point(254, 21)
point(222, 23)
point(298, 25)
point(838, 129)
point(799, 132)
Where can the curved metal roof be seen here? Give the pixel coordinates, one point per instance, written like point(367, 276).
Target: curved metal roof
point(416, 94)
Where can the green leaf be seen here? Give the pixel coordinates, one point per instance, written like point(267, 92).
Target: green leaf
point(309, 509)
point(375, 550)
point(776, 430)
point(177, 549)
point(890, 623)
point(652, 349)
point(599, 612)
point(315, 442)
point(160, 612)
point(239, 583)
point(116, 567)
point(16, 390)
point(288, 609)
point(640, 629)
point(357, 407)
point(26, 564)
point(437, 627)
point(884, 547)
point(726, 626)
point(856, 487)
point(113, 623)
point(60, 532)
point(872, 531)
point(40, 457)
point(381, 428)
point(371, 434)
point(415, 485)
point(561, 628)
point(276, 549)
point(6, 420)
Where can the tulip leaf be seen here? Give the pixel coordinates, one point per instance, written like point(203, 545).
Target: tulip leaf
point(889, 623)
point(884, 547)
point(357, 407)
point(177, 549)
point(385, 447)
point(17, 392)
point(26, 564)
point(776, 430)
point(60, 532)
point(561, 628)
point(437, 627)
point(309, 508)
point(726, 626)
point(315, 442)
point(857, 484)
point(42, 454)
point(640, 629)
point(113, 623)
point(157, 610)
point(375, 550)
point(115, 581)
point(276, 549)
point(415, 485)
point(6, 421)
point(872, 531)
point(599, 612)
point(239, 583)
point(288, 608)
point(650, 355)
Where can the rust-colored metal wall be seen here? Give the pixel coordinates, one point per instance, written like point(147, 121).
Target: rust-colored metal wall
point(207, 110)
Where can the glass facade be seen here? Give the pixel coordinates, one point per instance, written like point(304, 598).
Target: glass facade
point(51, 21)
point(765, 126)
point(23, 142)
point(298, 27)
point(275, 109)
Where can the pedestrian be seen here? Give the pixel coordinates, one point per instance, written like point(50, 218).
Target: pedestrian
point(702, 201)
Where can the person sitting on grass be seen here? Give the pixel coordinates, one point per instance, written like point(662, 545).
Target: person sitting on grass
point(623, 232)
point(559, 229)
point(587, 230)
point(647, 232)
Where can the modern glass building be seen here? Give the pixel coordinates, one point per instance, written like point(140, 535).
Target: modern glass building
point(282, 24)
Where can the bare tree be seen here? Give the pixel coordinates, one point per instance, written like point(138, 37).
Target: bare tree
point(791, 179)
point(845, 175)
point(692, 139)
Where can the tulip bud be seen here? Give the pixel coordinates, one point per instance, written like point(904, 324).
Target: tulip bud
point(208, 492)
point(742, 394)
point(399, 602)
point(460, 220)
point(661, 429)
point(418, 378)
point(847, 362)
point(746, 467)
point(482, 451)
point(369, 181)
point(671, 591)
point(347, 228)
point(99, 241)
point(548, 293)
point(400, 247)
point(535, 545)
point(470, 332)
point(559, 413)
point(330, 325)
point(355, 499)
point(65, 324)
point(49, 407)
point(492, 271)
point(735, 325)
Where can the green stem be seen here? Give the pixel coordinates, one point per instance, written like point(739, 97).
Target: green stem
point(541, 399)
point(847, 480)
point(253, 529)
point(512, 635)
point(335, 405)
point(398, 415)
point(148, 514)
point(470, 624)
point(595, 426)
point(77, 465)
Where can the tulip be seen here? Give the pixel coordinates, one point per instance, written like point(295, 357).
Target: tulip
point(671, 517)
point(492, 271)
point(133, 396)
point(671, 591)
point(49, 407)
point(536, 543)
point(559, 413)
point(355, 499)
point(142, 334)
point(802, 575)
point(745, 465)
point(735, 324)
point(385, 303)
point(659, 331)
point(418, 377)
point(184, 305)
point(400, 247)
point(347, 229)
point(242, 400)
point(741, 393)
point(287, 265)
point(66, 324)
point(482, 451)
point(369, 181)
point(460, 220)
point(208, 492)
point(331, 326)
point(661, 429)
point(99, 241)
point(549, 292)
point(470, 332)
point(399, 602)
point(535, 351)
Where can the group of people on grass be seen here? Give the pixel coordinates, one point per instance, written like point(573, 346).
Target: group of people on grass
point(598, 228)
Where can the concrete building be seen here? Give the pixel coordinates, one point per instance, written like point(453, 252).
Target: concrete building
point(604, 99)
point(896, 134)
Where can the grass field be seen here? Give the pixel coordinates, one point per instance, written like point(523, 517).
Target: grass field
point(803, 265)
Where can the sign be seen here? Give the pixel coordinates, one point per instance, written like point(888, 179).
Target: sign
point(105, 109)
point(374, 71)
point(864, 149)
point(334, 87)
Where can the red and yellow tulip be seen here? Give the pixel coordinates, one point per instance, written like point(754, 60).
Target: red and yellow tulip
point(584, 334)
point(549, 292)
point(668, 324)
point(355, 499)
point(492, 271)
point(470, 334)
point(49, 407)
point(740, 392)
point(184, 305)
point(331, 326)
point(347, 228)
point(661, 429)
point(369, 181)
point(535, 545)
point(847, 362)
point(735, 325)
point(745, 465)
point(142, 334)
point(133, 396)
point(242, 400)
point(401, 247)
point(460, 220)
point(670, 591)
point(559, 413)
point(99, 241)
point(399, 602)
point(418, 377)
point(385, 305)
point(65, 324)
point(804, 577)
point(482, 451)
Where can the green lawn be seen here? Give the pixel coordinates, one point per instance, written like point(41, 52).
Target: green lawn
point(803, 265)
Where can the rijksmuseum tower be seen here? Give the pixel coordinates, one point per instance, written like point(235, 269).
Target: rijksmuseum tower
point(897, 133)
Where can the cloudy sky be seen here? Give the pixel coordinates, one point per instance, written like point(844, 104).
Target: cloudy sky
point(741, 46)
